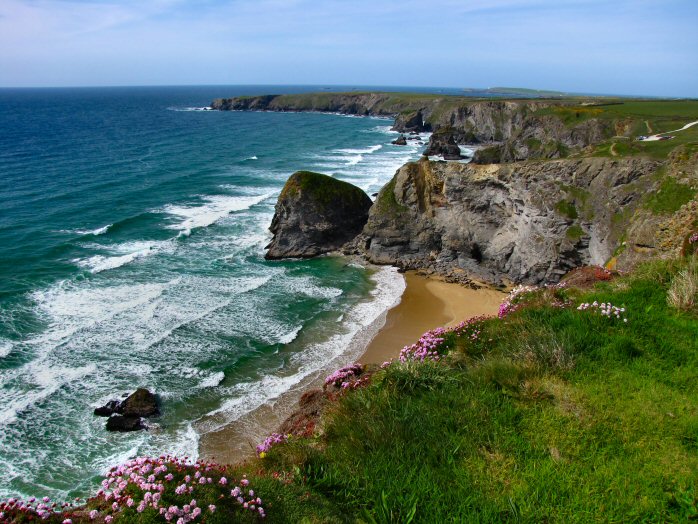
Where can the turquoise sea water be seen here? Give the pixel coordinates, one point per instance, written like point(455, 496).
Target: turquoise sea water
point(132, 229)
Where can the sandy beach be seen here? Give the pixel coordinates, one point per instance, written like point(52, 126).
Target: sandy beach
point(426, 303)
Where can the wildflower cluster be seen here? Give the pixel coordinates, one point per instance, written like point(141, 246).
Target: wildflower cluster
point(432, 345)
point(604, 308)
point(33, 507)
point(511, 303)
point(693, 238)
point(426, 348)
point(269, 442)
point(345, 376)
point(163, 486)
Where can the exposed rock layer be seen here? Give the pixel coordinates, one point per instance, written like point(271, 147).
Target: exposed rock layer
point(316, 214)
point(525, 222)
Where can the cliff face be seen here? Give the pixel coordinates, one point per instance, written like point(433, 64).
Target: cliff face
point(521, 128)
point(316, 214)
point(526, 222)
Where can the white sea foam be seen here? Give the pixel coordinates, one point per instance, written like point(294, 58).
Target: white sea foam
point(290, 336)
point(252, 158)
point(212, 380)
point(365, 150)
point(43, 381)
point(95, 232)
point(308, 286)
point(5, 348)
point(215, 208)
point(359, 326)
point(131, 251)
point(185, 109)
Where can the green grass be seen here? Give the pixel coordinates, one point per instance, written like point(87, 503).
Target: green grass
point(575, 232)
point(324, 189)
point(552, 415)
point(566, 209)
point(670, 196)
point(386, 202)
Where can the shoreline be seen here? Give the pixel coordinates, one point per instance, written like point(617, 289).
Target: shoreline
point(426, 303)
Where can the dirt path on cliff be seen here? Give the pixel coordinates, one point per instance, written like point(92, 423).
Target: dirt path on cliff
point(659, 136)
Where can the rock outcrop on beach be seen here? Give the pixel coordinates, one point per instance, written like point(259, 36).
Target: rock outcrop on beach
point(316, 214)
point(128, 414)
point(530, 222)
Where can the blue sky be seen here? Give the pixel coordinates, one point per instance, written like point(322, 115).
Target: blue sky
point(623, 46)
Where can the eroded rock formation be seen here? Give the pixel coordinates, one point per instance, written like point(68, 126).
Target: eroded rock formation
point(316, 214)
point(529, 222)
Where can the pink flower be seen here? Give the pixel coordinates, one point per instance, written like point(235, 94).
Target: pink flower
point(93, 514)
point(212, 508)
point(108, 519)
point(223, 481)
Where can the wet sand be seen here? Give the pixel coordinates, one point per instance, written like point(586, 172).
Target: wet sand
point(426, 303)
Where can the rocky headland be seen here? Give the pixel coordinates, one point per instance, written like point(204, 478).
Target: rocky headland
point(516, 129)
point(540, 197)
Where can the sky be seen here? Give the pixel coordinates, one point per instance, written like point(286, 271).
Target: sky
point(632, 47)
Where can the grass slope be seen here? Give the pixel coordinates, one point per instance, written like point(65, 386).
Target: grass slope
point(550, 415)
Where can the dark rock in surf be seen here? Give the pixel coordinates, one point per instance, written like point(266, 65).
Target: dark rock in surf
point(316, 214)
point(127, 415)
point(123, 424)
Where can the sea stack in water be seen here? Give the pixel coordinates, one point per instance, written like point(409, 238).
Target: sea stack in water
point(316, 214)
point(128, 414)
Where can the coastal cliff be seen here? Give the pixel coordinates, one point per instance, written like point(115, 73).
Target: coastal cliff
point(555, 185)
point(529, 222)
point(520, 129)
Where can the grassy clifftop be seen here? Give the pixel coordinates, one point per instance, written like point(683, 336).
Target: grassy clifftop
point(551, 413)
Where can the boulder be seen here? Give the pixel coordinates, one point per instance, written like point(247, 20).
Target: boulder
point(122, 424)
point(141, 403)
point(127, 414)
point(400, 141)
point(111, 407)
point(443, 143)
point(316, 214)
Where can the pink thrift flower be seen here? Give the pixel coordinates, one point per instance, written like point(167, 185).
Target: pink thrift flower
point(212, 508)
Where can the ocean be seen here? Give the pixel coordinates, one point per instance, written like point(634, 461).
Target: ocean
point(132, 234)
